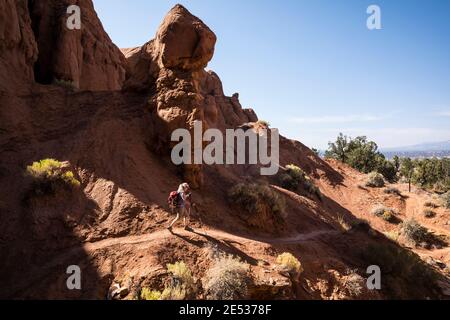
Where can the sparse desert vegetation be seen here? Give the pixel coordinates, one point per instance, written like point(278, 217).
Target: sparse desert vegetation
point(421, 236)
point(227, 279)
point(290, 264)
point(343, 223)
point(415, 232)
point(256, 199)
point(48, 175)
point(393, 191)
point(294, 178)
point(445, 198)
point(148, 294)
point(354, 283)
point(387, 214)
point(181, 285)
point(428, 213)
point(375, 180)
point(431, 204)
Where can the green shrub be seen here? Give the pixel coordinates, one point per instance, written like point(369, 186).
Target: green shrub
point(290, 263)
point(182, 282)
point(375, 180)
point(294, 177)
point(392, 190)
point(415, 232)
point(385, 213)
point(256, 199)
point(429, 213)
point(148, 294)
point(48, 175)
point(181, 285)
point(227, 279)
point(446, 200)
point(430, 204)
point(174, 293)
point(181, 273)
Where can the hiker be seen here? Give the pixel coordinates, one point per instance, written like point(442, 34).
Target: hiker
point(181, 202)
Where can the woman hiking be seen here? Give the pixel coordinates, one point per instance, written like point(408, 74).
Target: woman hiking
point(182, 206)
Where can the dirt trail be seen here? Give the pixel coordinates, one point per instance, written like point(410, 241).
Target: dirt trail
point(220, 235)
point(148, 239)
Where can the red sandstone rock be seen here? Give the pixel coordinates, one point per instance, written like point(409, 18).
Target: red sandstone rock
point(18, 49)
point(86, 58)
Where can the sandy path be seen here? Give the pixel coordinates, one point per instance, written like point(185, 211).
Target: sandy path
point(63, 259)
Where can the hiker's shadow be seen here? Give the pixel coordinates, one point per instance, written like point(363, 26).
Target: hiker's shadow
point(228, 246)
point(196, 243)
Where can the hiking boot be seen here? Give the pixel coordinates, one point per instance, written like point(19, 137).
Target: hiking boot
point(188, 229)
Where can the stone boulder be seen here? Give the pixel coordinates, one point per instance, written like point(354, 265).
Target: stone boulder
point(183, 41)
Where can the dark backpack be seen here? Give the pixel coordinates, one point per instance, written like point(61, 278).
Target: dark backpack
point(173, 199)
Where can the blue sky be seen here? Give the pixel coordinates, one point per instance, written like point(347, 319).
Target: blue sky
point(313, 69)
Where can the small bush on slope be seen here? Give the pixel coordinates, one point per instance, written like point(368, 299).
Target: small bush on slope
point(386, 214)
point(346, 226)
point(446, 199)
point(430, 204)
point(415, 232)
point(181, 273)
point(181, 285)
point(48, 176)
point(294, 177)
point(227, 279)
point(290, 264)
point(428, 213)
point(375, 180)
point(392, 190)
point(147, 294)
point(354, 283)
point(255, 199)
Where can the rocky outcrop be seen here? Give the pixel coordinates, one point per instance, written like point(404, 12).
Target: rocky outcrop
point(85, 58)
point(172, 68)
point(37, 46)
point(18, 48)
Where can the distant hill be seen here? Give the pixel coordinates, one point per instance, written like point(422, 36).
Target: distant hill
point(432, 146)
point(424, 150)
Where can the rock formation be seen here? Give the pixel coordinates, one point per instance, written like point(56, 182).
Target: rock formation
point(18, 48)
point(87, 58)
point(172, 65)
point(36, 45)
